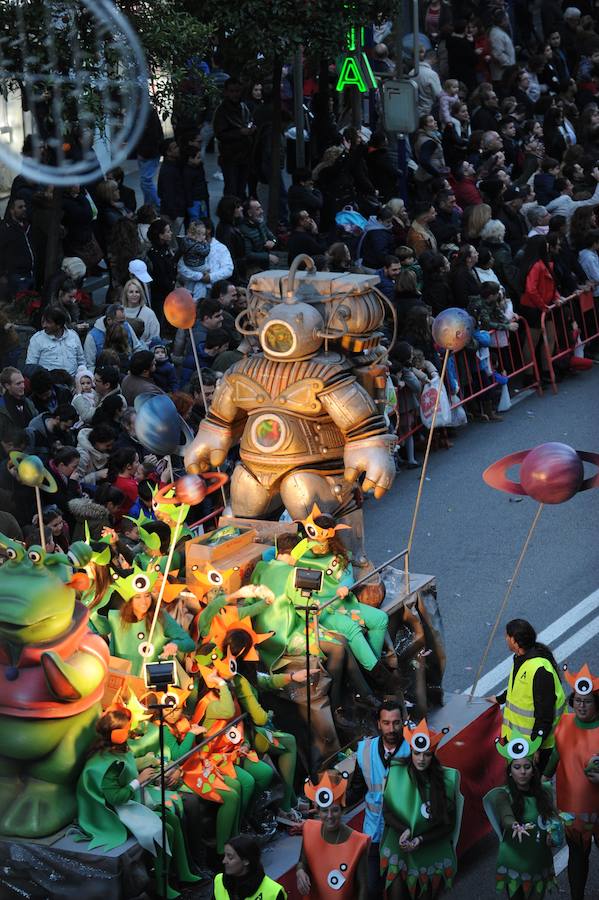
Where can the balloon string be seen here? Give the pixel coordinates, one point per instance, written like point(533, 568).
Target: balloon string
point(169, 560)
point(40, 517)
point(205, 402)
point(506, 598)
point(423, 472)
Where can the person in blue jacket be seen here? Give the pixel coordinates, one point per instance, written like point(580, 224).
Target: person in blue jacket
point(374, 757)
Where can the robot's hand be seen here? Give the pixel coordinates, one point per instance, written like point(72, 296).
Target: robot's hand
point(373, 457)
point(208, 449)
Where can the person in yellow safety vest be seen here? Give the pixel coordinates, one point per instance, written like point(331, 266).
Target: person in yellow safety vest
point(534, 699)
point(244, 877)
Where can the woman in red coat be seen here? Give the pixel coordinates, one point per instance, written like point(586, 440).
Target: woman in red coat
point(123, 473)
point(539, 291)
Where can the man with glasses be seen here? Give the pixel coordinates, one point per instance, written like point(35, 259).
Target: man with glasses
point(259, 241)
point(575, 761)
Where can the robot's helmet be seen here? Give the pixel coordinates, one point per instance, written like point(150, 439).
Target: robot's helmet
point(291, 331)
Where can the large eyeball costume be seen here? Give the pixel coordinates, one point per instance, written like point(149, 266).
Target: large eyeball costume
point(307, 426)
point(332, 866)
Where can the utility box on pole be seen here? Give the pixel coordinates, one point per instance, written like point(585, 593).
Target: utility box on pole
point(400, 105)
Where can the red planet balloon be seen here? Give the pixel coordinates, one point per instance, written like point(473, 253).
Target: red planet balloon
point(552, 473)
point(180, 308)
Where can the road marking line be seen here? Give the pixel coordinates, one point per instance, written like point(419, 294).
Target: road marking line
point(560, 860)
point(578, 639)
point(501, 671)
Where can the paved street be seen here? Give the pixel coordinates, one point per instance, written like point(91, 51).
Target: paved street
point(470, 536)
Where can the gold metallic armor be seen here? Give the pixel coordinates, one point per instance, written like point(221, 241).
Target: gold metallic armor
point(306, 426)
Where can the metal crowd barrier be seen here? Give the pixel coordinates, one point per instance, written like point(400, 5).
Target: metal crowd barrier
point(560, 317)
point(473, 381)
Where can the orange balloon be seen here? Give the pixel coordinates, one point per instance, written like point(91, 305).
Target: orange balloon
point(180, 308)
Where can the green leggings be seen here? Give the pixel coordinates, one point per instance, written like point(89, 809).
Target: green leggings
point(237, 800)
point(285, 758)
point(366, 648)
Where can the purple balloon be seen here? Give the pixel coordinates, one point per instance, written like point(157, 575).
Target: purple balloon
point(452, 328)
point(552, 473)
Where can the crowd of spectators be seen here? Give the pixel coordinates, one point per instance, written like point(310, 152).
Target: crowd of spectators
point(494, 211)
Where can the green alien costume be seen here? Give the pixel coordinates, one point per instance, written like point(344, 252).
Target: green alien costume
point(110, 807)
point(347, 615)
point(434, 862)
point(129, 640)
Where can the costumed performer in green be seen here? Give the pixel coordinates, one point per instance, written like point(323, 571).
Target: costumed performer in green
point(422, 809)
point(129, 627)
point(109, 800)
point(523, 816)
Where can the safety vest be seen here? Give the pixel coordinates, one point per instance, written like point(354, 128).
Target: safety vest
point(267, 890)
point(375, 775)
point(519, 712)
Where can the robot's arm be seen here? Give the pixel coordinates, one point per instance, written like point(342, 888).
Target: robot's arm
point(369, 447)
point(217, 432)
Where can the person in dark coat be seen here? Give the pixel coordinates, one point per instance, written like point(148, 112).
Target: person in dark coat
point(507, 210)
point(78, 222)
point(234, 131)
point(487, 116)
point(465, 283)
point(230, 216)
point(195, 186)
point(148, 156)
point(436, 289)
point(162, 263)
point(377, 242)
point(170, 185)
point(303, 237)
point(303, 195)
point(461, 54)
point(383, 174)
point(16, 254)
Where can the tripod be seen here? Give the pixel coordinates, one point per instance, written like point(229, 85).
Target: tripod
point(161, 707)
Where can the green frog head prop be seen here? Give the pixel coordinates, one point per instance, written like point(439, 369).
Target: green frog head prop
point(37, 593)
point(136, 582)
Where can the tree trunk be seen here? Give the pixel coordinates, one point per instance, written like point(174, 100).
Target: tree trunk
point(52, 260)
point(274, 185)
point(321, 127)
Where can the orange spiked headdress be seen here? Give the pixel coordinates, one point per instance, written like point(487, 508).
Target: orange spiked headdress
point(422, 738)
point(227, 621)
point(316, 532)
point(325, 792)
point(583, 682)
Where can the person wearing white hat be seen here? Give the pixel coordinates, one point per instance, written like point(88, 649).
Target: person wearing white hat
point(138, 269)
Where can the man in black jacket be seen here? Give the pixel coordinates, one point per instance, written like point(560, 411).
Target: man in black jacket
point(507, 210)
point(303, 195)
point(171, 188)
point(16, 254)
point(148, 156)
point(234, 131)
point(303, 237)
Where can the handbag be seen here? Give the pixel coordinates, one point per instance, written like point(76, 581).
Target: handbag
point(428, 398)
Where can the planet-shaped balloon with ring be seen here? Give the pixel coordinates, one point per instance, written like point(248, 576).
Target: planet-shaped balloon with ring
point(452, 329)
point(190, 489)
point(159, 427)
point(32, 472)
point(549, 473)
point(180, 308)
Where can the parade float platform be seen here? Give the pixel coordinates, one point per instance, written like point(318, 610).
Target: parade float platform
point(58, 868)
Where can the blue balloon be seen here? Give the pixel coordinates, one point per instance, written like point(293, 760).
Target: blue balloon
point(159, 427)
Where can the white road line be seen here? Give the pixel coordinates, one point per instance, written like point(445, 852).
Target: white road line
point(499, 674)
point(560, 860)
point(578, 639)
